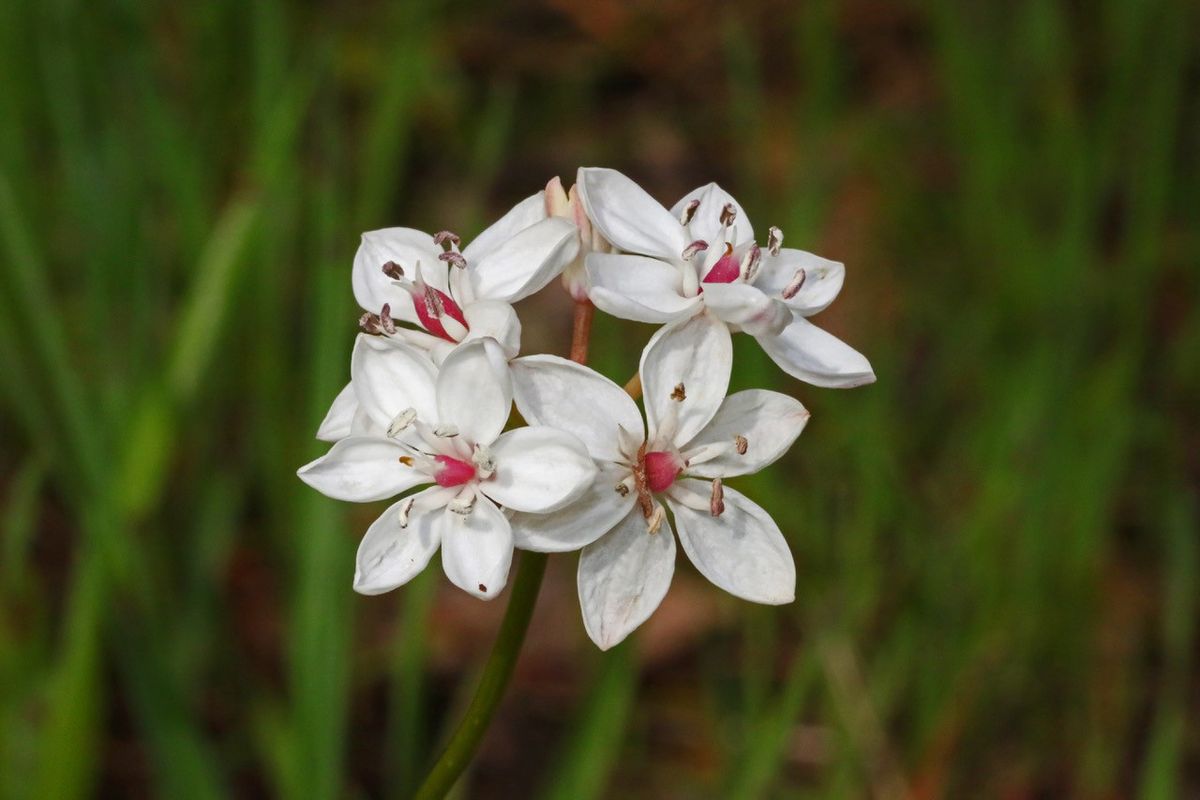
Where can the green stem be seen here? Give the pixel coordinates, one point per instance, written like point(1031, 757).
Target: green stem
point(496, 673)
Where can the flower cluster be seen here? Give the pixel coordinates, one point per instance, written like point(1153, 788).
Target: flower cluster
point(436, 371)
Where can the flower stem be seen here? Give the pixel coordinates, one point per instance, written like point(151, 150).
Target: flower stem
point(496, 674)
point(499, 668)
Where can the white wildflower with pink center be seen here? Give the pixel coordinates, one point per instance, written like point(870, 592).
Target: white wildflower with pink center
point(694, 437)
point(701, 255)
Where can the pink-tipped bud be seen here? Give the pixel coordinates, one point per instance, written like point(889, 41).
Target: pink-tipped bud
point(661, 470)
point(453, 471)
point(726, 270)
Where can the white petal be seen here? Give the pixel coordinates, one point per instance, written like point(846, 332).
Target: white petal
point(525, 213)
point(474, 391)
point(477, 548)
point(628, 217)
point(581, 522)
point(491, 319)
point(822, 279)
point(768, 421)
point(622, 578)
point(526, 262)
point(406, 247)
point(339, 422)
point(539, 469)
point(389, 377)
point(389, 555)
point(697, 353)
point(742, 551)
point(562, 394)
point(706, 222)
point(747, 307)
point(638, 288)
point(806, 352)
point(361, 469)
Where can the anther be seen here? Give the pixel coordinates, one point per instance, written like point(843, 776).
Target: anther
point(405, 510)
point(774, 240)
point(692, 249)
point(369, 323)
point(462, 507)
point(716, 502)
point(393, 270)
point(447, 240)
point(385, 319)
point(484, 461)
point(621, 489)
point(793, 287)
point(740, 444)
point(654, 523)
point(401, 422)
point(750, 263)
point(728, 214)
point(406, 460)
point(678, 394)
point(688, 212)
point(453, 258)
point(445, 431)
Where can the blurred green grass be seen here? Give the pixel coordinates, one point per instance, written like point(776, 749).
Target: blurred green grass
point(996, 543)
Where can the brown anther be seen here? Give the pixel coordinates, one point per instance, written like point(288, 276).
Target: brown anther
point(641, 483)
point(774, 240)
point(385, 319)
point(678, 394)
point(728, 214)
point(369, 323)
point(692, 249)
point(793, 287)
point(393, 270)
point(716, 501)
point(621, 489)
point(740, 444)
point(751, 262)
point(688, 212)
point(446, 239)
point(482, 588)
point(454, 258)
point(406, 461)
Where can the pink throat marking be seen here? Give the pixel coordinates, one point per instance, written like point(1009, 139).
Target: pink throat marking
point(430, 322)
point(661, 470)
point(453, 472)
point(726, 270)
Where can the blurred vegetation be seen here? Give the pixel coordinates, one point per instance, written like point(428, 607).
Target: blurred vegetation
point(996, 543)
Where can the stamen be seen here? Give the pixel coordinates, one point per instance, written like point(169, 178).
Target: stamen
point(453, 258)
point(740, 444)
point(678, 394)
point(692, 249)
point(774, 240)
point(385, 319)
point(445, 431)
point(405, 509)
point(728, 214)
point(716, 503)
point(750, 263)
point(393, 270)
point(655, 520)
point(370, 324)
point(484, 461)
point(406, 460)
point(447, 240)
point(689, 211)
point(401, 422)
point(793, 287)
point(463, 503)
point(622, 489)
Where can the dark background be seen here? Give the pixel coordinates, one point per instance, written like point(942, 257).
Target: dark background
point(996, 543)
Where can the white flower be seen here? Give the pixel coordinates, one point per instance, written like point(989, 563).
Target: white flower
point(567, 205)
point(702, 254)
point(452, 295)
point(444, 428)
point(695, 437)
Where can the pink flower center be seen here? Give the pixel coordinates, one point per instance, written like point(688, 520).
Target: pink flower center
point(431, 305)
point(453, 471)
point(726, 270)
point(661, 470)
